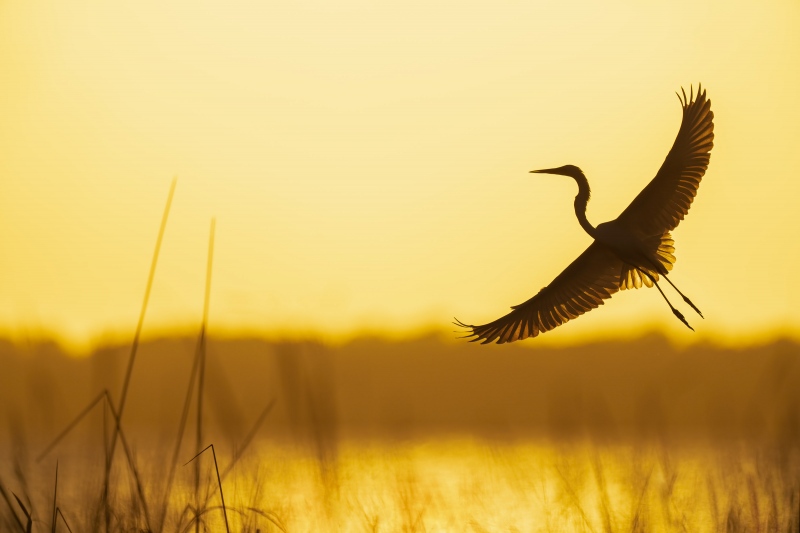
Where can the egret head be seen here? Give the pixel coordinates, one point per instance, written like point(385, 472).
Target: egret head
point(567, 170)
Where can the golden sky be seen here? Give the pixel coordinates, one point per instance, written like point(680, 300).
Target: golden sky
point(367, 162)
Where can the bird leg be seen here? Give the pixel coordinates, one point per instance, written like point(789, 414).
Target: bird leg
point(685, 298)
point(674, 311)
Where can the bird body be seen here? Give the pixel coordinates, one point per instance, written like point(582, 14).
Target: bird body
point(633, 250)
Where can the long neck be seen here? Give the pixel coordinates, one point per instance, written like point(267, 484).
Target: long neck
point(580, 203)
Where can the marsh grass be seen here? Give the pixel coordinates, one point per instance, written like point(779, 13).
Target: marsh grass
point(315, 481)
point(219, 485)
point(424, 485)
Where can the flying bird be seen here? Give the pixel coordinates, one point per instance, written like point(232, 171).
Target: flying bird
point(633, 250)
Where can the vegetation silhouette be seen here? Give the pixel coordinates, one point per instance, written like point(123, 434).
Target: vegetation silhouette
point(630, 251)
point(405, 436)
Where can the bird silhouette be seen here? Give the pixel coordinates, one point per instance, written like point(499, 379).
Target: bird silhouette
point(633, 250)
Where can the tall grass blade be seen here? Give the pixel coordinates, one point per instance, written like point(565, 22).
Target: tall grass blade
point(4, 494)
point(139, 325)
point(58, 510)
point(131, 463)
point(179, 440)
point(55, 498)
point(219, 481)
point(29, 526)
point(134, 348)
point(197, 369)
point(201, 354)
point(239, 453)
point(22, 480)
point(71, 425)
point(249, 438)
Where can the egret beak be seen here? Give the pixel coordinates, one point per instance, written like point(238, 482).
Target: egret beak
point(567, 170)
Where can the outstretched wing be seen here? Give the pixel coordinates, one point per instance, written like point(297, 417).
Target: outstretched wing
point(593, 277)
point(666, 199)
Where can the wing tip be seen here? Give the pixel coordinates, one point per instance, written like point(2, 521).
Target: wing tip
point(470, 333)
point(483, 337)
point(699, 98)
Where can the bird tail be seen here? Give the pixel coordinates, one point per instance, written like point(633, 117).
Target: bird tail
point(660, 251)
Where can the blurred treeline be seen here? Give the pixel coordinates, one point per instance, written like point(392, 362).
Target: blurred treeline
point(428, 387)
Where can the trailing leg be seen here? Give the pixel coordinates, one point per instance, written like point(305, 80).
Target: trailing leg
point(685, 298)
point(674, 311)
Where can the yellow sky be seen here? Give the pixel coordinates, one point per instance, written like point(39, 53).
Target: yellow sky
point(367, 162)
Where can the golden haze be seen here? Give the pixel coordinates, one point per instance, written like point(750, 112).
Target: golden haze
point(367, 164)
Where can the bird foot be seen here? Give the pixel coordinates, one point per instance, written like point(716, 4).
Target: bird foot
point(688, 301)
point(682, 318)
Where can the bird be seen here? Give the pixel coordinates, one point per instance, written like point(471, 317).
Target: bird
point(636, 249)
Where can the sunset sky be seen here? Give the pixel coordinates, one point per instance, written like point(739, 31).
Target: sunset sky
point(367, 162)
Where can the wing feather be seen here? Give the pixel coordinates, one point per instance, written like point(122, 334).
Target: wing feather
point(665, 201)
point(593, 277)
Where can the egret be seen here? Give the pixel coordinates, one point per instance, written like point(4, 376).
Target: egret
point(633, 250)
